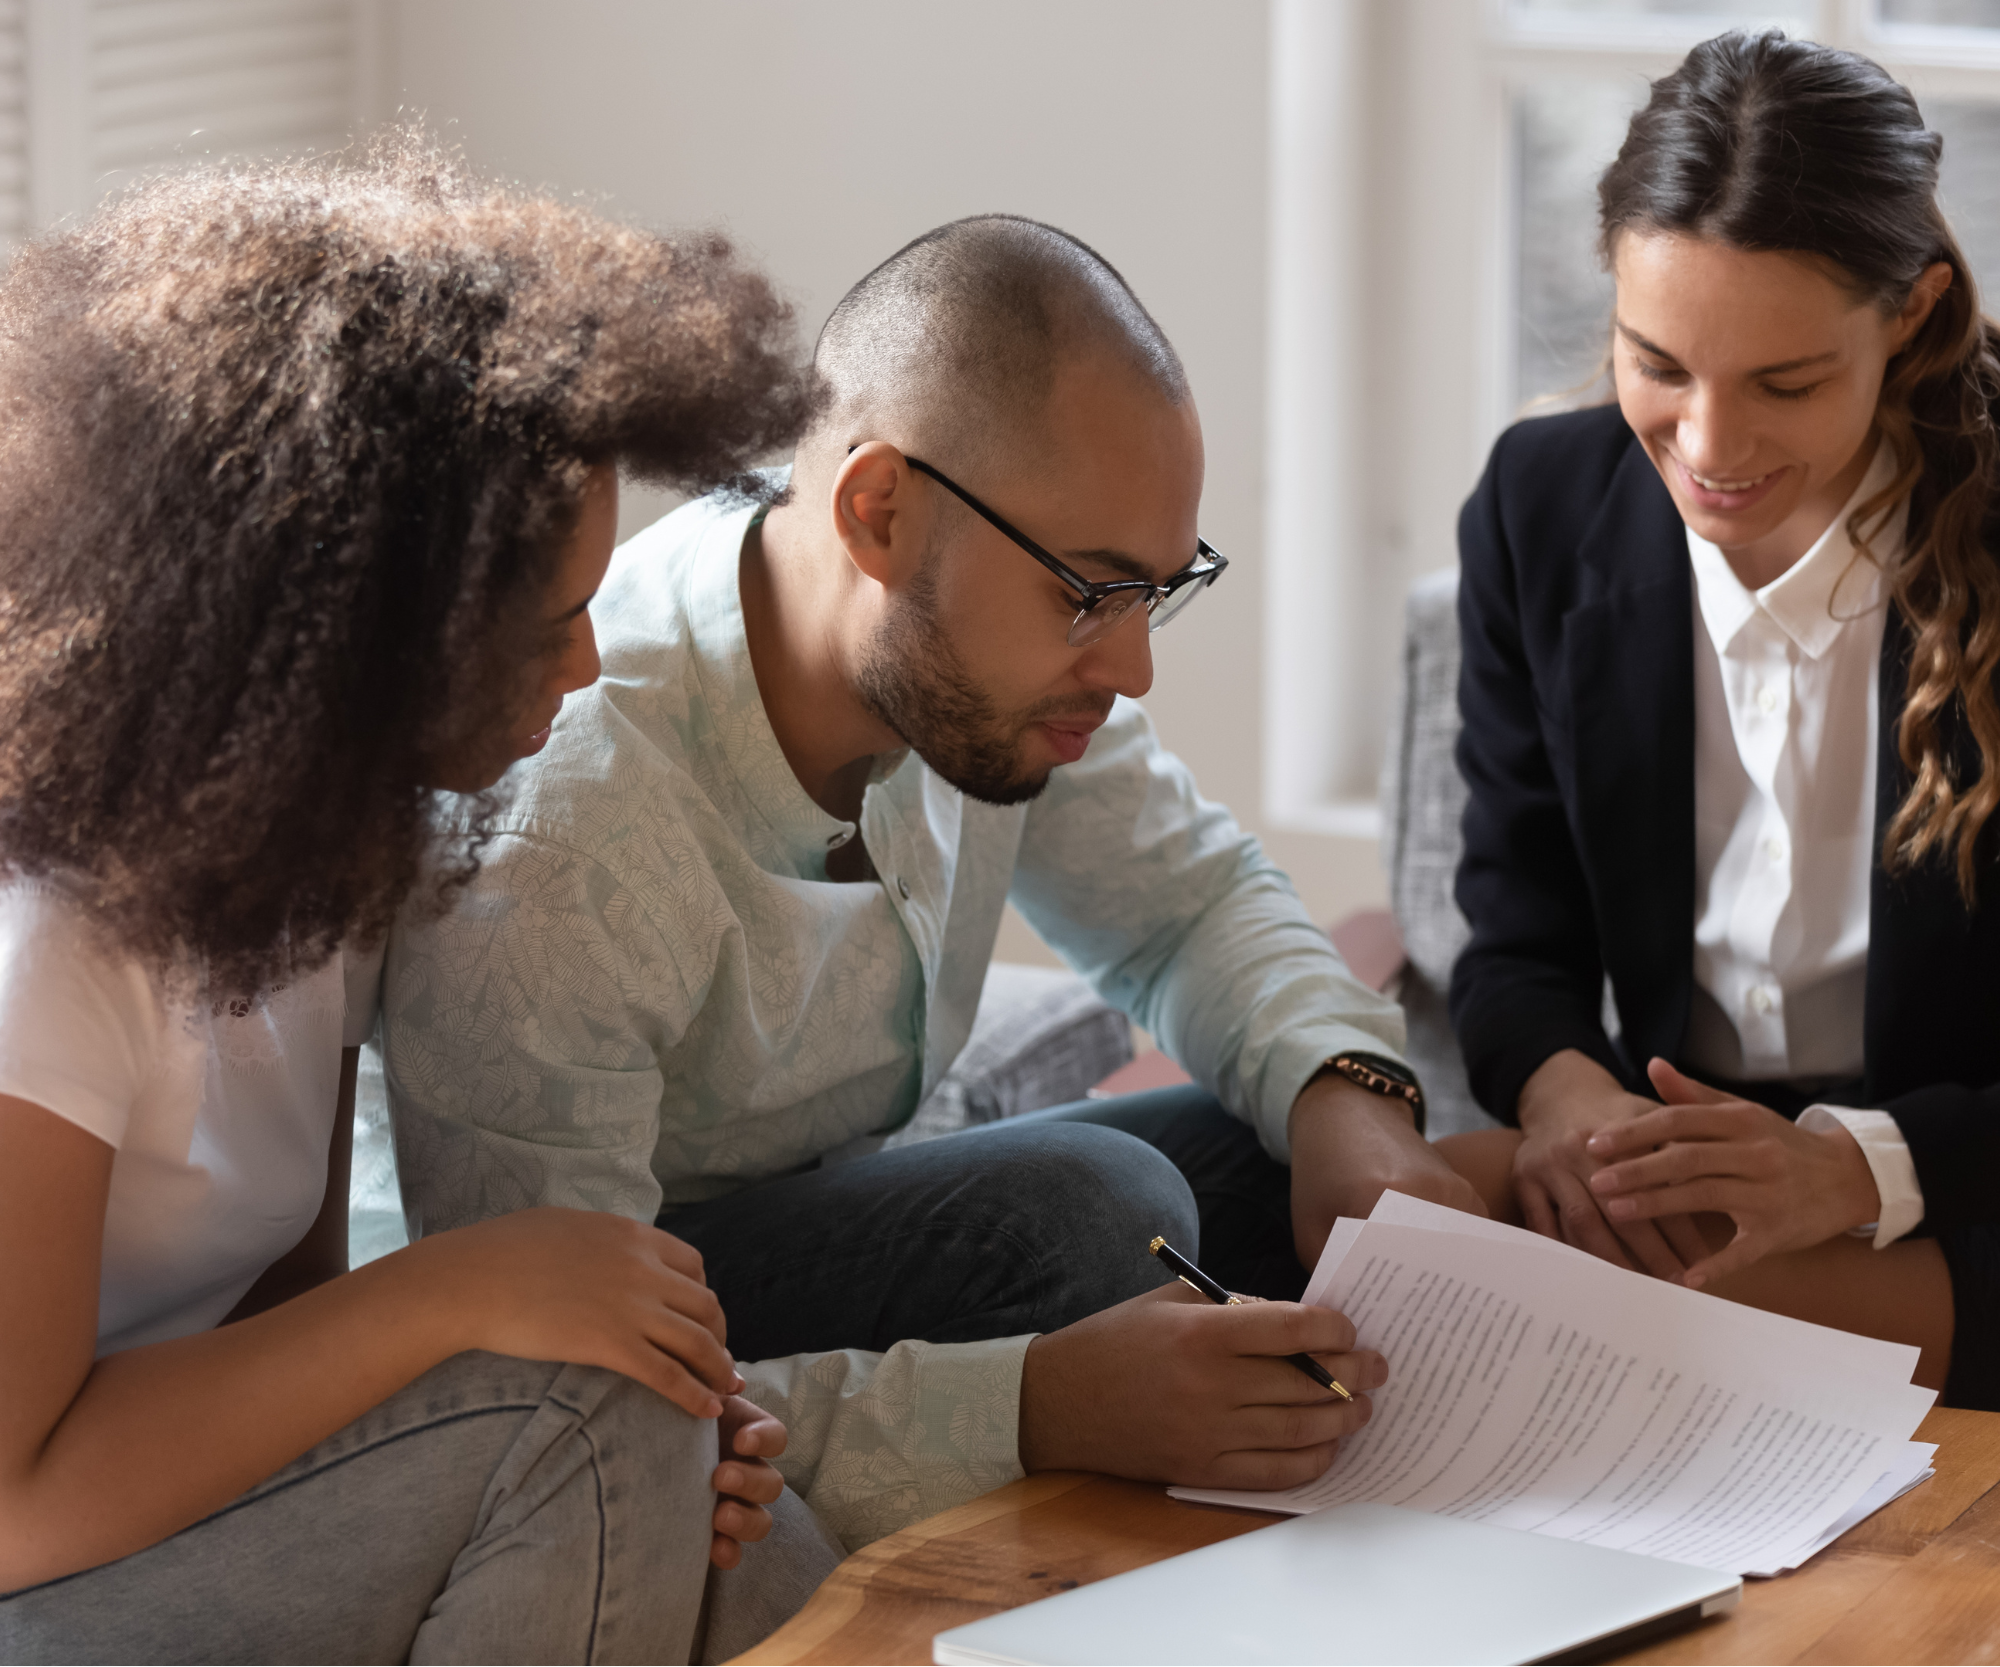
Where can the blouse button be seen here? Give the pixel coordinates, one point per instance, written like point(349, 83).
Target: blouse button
point(903, 886)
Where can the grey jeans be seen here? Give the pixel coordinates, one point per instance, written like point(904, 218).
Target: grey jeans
point(495, 1510)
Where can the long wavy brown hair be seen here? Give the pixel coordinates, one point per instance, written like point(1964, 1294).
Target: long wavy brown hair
point(1765, 143)
point(287, 458)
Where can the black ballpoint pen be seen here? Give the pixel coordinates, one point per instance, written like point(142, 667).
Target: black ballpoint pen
point(1195, 1280)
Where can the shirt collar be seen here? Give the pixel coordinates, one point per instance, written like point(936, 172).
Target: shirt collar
point(743, 734)
point(720, 647)
point(1820, 594)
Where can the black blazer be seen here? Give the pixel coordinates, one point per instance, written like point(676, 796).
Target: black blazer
point(1576, 610)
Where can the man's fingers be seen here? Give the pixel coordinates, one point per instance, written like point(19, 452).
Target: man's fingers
point(756, 1482)
point(761, 1438)
point(1273, 1382)
point(1286, 1429)
point(1260, 1471)
point(746, 1524)
point(1286, 1328)
point(724, 1552)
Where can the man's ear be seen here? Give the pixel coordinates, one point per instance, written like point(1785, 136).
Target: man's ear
point(878, 513)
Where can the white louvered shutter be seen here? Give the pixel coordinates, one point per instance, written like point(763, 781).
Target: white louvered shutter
point(116, 89)
point(13, 125)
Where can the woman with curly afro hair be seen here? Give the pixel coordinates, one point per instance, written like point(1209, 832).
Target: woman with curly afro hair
point(307, 476)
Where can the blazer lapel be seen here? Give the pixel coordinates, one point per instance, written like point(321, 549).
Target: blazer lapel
point(1628, 651)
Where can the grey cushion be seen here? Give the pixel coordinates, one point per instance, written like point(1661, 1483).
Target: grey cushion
point(1041, 1038)
point(1423, 804)
point(1423, 797)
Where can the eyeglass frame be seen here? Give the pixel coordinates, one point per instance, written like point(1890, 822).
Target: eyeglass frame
point(1089, 592)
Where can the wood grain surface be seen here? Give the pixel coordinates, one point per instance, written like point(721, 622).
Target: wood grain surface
point(1917, 1582)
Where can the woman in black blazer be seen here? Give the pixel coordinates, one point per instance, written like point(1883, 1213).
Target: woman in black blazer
point(1799, 358)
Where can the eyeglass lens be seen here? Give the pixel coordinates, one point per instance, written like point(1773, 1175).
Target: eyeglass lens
point(1095, 623)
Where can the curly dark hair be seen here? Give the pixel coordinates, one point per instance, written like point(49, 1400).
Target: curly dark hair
point(287, 459)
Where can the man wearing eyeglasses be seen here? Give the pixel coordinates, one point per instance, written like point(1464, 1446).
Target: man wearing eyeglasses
point(734, 926)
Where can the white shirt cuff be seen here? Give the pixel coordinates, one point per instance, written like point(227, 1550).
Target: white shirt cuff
point(1889, 1161)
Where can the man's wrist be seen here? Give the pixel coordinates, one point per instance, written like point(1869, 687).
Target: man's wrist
point(1334, 1097)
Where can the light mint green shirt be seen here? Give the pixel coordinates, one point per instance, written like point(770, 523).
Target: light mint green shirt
point(652, 995)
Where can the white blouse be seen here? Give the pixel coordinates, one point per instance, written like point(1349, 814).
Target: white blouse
point(220, 1119)
point(1786, 695)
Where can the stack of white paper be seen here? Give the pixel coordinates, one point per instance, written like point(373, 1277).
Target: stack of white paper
point(1533, 1386)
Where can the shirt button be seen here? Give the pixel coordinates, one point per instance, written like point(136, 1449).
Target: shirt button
point(1767, 697)
point(834, 841)
point(1775, 849)
point(903, 886)
point(1760, 1000)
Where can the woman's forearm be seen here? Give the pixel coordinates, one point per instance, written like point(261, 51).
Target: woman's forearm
point(159, 1437)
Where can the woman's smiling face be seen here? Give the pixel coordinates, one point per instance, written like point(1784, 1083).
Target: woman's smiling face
point(1752, 380)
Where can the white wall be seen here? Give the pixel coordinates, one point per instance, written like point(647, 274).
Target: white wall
point(825, 136)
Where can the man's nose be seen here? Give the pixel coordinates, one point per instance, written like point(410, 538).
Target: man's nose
point(1122, 659)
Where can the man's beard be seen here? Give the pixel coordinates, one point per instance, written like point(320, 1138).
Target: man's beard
point(913, 680)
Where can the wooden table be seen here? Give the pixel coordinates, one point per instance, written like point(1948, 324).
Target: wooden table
point(1917, 1582)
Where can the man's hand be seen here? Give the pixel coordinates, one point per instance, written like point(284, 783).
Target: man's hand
point(747, 1438)
point(1569, 1100)
point(1348, 1148)
point(1785, 1187)
point(1170, 1387)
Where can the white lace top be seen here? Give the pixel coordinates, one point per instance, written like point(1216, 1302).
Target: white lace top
point(220, 1119)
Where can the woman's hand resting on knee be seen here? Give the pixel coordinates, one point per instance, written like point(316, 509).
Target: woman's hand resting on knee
point(593, 1289)
point(1785, 1187)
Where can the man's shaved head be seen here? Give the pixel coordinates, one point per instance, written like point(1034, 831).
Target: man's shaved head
point(953, 343)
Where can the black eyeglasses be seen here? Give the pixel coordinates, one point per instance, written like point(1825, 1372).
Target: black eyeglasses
point(1101, 608)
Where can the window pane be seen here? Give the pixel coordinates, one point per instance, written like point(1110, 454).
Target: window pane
point(1948, 14)
point(1969, 184)
point(1565, 135)
point(1721, 11)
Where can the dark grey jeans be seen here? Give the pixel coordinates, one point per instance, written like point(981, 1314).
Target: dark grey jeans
point(1012, 1227)
point(495, 1510)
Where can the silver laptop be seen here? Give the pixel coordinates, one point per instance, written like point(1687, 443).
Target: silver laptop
point(1360, 1583)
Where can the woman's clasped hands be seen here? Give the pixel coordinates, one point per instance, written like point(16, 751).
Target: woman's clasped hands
point(1706, 1152)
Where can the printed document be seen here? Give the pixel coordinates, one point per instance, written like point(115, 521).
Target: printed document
point(1532, 1386)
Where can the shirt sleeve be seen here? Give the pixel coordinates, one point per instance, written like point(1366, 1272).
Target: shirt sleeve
point(522, 1035)
point(361, 973)
point(879, 1441)
point(1889, 1161)
point(79, 1030)
point(1176, 917)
